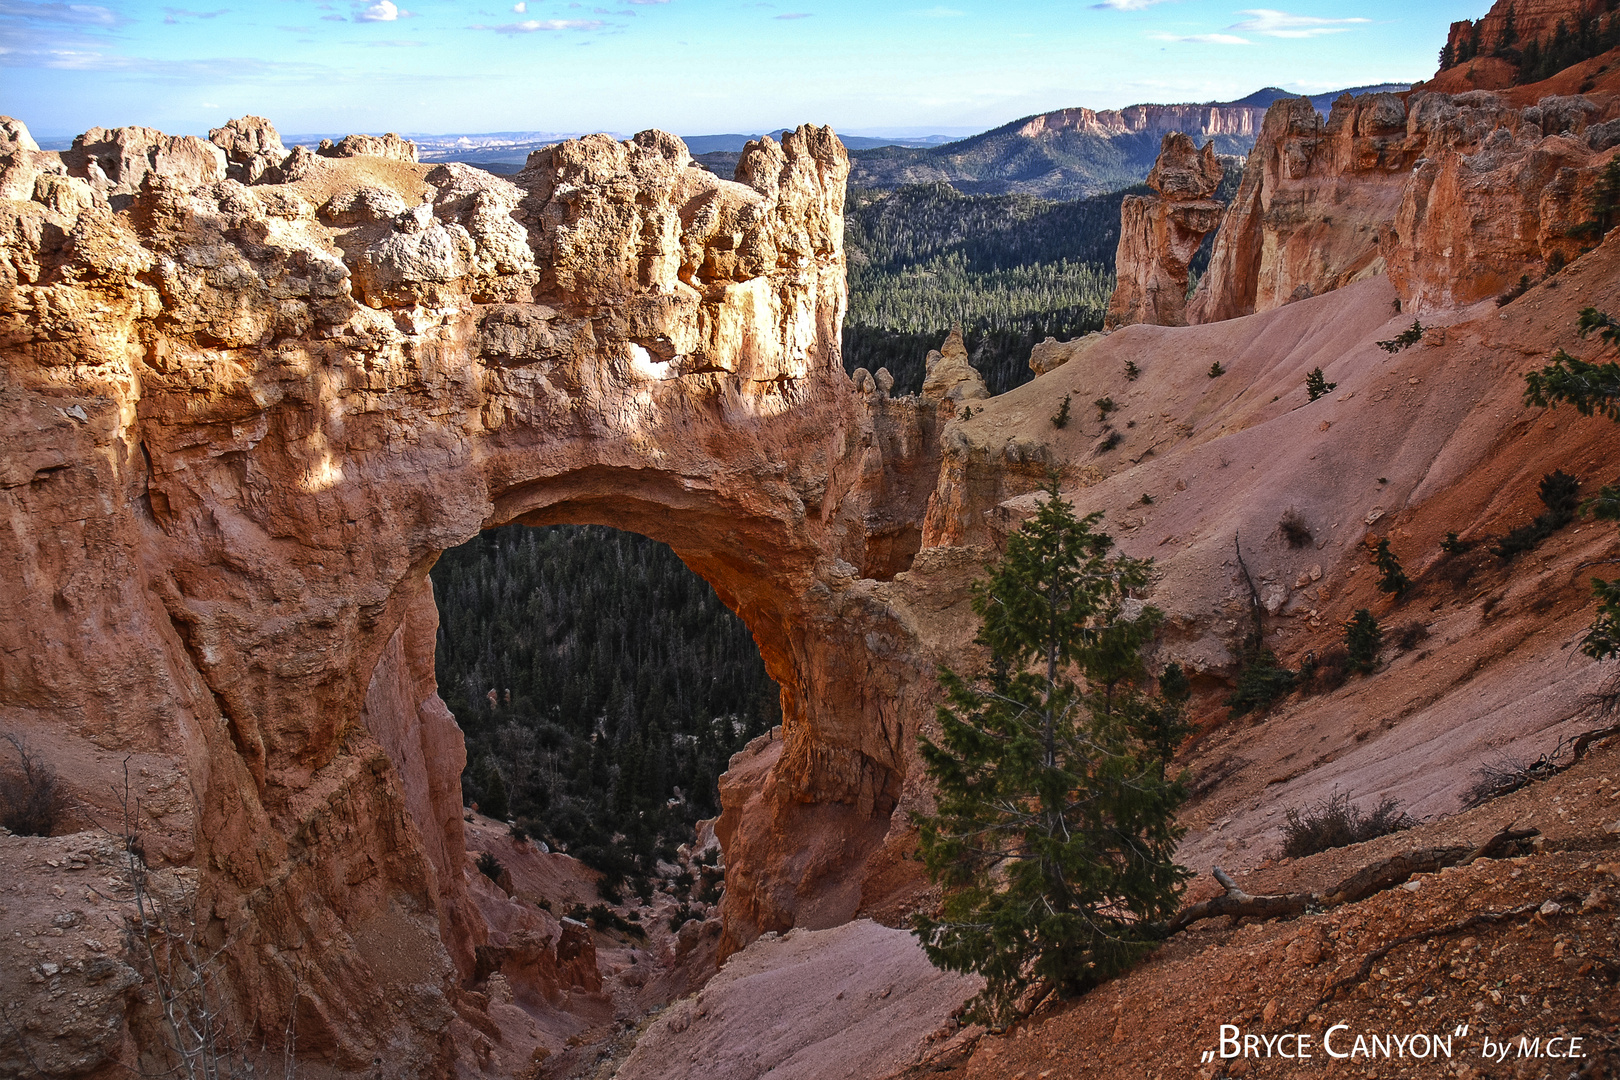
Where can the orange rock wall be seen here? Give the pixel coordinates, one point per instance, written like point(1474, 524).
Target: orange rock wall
point(1455, 196)
point(242, 421)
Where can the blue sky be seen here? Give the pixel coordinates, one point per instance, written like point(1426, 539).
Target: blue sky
point(688, 66)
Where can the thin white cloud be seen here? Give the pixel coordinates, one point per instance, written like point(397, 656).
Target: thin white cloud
point(939, 13)
point(171, 16)
point(520, 8)
point(533, 26)
point(795, 15)
point(396, 44)
point(66, 14)
point(1280, 24)
point(644, 2)
point(1125, 5)
point(1203, 39)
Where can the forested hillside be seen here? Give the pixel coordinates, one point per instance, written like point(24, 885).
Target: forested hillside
point(1010, 269)
point(622, 685)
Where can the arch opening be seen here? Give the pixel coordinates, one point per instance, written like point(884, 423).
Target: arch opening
point(601, 685)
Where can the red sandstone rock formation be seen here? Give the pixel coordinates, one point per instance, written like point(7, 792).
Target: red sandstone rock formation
point(242, 421)
point(1532, 21)
point(1158, 235)
point(1456, 196)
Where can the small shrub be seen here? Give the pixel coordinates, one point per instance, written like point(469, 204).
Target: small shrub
point(1316, 384)
point(1393, 579)
point(1515, 292)
point(1336, 822)
point(1261, 683)
point(490, 866)
point(1555, 262)
point(967, 413)
point(681, 916)
point(1131, 371)
point(1560, 494)
point(1061, 418)
point(1326, 673)
point(1362, 641)
point(1405, 339)
point(1607, 326)
point(1112, 440)
point(32, 801)
point(1147, 500)
point(605, 918)
point(1216, 371)
point(1294, 530)
point(1105, 405)
point(1453, 545)
point(518, 831)
point(1410, 636)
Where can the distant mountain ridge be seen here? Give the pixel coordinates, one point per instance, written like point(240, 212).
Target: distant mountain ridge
point(1075, 153)
point(1063, 154)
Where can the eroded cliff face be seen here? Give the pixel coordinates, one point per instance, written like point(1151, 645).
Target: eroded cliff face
point(1455, 196)
point(1152, 120)
point(242, 419)
point(1159, 234)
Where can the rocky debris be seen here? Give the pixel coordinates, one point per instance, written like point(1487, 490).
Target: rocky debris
point(949, 376)
point(253, 150)
point(856, 1000)
point(1517, 946)
point(1158, 235)
point(1455, 195)
point(389, 146)
point(70, 985)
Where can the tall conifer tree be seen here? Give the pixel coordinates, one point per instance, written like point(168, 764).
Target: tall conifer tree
point(1055, 834)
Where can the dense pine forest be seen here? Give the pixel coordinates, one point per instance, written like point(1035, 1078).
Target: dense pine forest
point(1010, 269)
point(621, 686)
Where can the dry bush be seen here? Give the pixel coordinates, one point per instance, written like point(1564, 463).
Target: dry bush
point(1294, 529)
point(1508, 774)
point(1336, 822)
point(32, 800)
point(1327, 672)
point(1407, 637)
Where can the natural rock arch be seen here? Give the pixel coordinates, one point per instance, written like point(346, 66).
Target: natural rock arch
point(248, 419)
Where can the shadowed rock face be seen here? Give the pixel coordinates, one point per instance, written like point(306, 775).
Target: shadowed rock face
point(242, 421)
point(1159, 234)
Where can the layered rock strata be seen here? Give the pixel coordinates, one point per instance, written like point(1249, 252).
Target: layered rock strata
point(1159, 234)
point(1456, 196)
point(1149, 120)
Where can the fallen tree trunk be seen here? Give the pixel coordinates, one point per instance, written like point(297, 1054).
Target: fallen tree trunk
point(1384, 874)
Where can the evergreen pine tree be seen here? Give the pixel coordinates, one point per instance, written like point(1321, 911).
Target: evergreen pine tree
point(1362, 640)
point(1316, 384)
point(1394, 579)
point(494, 804)
point(1054, 839)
